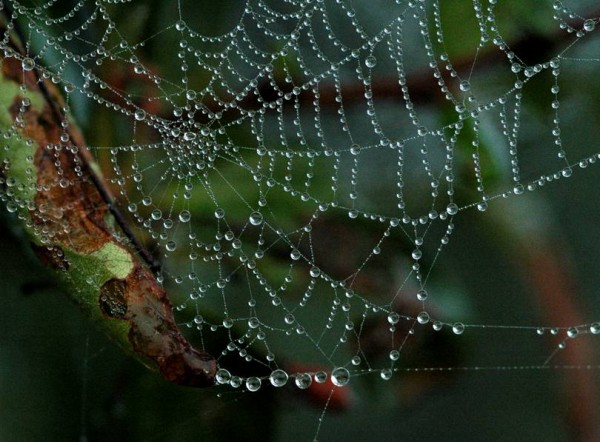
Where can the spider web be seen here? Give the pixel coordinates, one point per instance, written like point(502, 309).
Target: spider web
point(298, 170)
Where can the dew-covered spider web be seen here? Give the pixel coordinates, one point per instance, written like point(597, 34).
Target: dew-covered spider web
point(297, 170)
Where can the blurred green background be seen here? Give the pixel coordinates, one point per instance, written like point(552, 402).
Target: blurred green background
point(62, 380)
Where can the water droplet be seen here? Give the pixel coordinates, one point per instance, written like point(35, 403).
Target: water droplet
point(572, 332)
point(223, 376)
point(28, 64)
point(320, 377)
point(289, 319)
point(171, 246)
point(458, 328)
point(11, 206)
point(595, 328)
point(184, 216)
point(452, 209)
point(315, 272)
point(227, 322)
point(437, 326)
point(303, 380)
point(340, 376)
point(156, 214)
point(422, 295)
point(278, 378)
point(353, 213)
point(140, 114)
point(355, 360)
point(256, 218)
point(589, 25)
point(482, 206)
point(393, 318)
point(386, 374)
point(219, 213)
point(423, 317)
point(370, 61)
point(417, 254)
point(189, 136)
point(295, 254)
point(465, 86)
point(394, 355)
point(253, 384)
point(355, 149)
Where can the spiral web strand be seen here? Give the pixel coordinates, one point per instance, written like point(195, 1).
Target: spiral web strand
point(300, 173)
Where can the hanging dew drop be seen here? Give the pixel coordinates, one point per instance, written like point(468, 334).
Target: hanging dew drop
point(595, 328)
point(303, 381)
point(11, 206)
point(219, 213)
point(340, 376)
point(253, 384)
point(452, 209)
point(180, 25)
point(315, 272)
point(140, 115)
point(417, 254)
point(28, 64)
point(320, 377)
point(458, 328)
point(589, 25)
point(185, 216)
point(386, 374)
point(189, 136)
point(223, 376)
point(278, 378)
point(422, 295)
point(171, 246)
point(256, 218)
point(465, 86)
point(370, 61)
point(393, 318)
point(423, 317)
point(156, 214)
point(437, 326)
point(295, 255)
